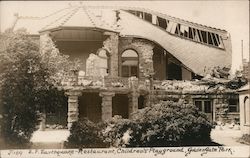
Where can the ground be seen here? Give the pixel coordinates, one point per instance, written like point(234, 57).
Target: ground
point(55, 138)
point(227, 137)
point(49, 139)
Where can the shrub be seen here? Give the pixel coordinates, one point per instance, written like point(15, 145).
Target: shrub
point(245, 139)
point(164, 124)
point(85, 134)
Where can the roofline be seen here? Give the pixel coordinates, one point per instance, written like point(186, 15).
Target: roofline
point(184, 22)
point(246, 89)
point(75, 28)
point(181, 21)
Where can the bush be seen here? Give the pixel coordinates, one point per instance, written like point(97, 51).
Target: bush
point(164, 124)
point(245, 139)
point(85, 134)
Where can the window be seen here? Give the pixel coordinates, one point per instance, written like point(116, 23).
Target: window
point(233, 105)
point(179, 29)
point(215, 39)
point(174, 71)
point(204, 36)
point(210, 41)
point(207, 107)
point(148, 17)
point(129, 63)
point(204, 105)
point(198, 104)
point(162, 22)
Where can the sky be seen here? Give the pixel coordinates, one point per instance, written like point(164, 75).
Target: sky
point(232, 16)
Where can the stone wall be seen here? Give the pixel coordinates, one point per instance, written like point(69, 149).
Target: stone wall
point(107, 105)
point(144, 48)
point(111, 45)
point(73, 110)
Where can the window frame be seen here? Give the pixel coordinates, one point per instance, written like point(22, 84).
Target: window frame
point(129, 66)
point(203, 109)
point(233, 105)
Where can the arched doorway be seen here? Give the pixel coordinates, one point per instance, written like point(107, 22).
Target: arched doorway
point(246, 110)
point(104, 61)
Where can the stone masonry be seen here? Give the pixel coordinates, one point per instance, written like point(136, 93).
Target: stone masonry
point(73, 110)
point(144, 48)
point(111, 45)
point(106, 105)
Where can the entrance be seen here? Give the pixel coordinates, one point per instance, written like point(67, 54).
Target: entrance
point(120, 105)
point(90, 106)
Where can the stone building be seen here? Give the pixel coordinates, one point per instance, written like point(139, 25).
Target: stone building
point(244, 93)
point(133, 57)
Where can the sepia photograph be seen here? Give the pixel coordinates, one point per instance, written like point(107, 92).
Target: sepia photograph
point(124, 79)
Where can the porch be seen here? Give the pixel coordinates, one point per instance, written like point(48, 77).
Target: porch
point(101, 98)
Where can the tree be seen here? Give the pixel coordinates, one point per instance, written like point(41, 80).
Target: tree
point(28, 74)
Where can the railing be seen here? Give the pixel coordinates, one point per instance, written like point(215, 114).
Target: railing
point(105, 81)
point(87, 81)
point(120, 82)
point(183, 86)
point(134, 83)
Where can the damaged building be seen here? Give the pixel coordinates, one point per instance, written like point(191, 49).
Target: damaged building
point(134, 57)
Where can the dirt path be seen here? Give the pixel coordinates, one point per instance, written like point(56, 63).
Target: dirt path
point(227, 137)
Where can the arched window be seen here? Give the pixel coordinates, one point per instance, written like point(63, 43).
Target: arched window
point(246, 110)
point(104, 62)
point(129, 63)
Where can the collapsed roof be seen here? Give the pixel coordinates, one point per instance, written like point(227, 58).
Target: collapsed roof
point(199, 48)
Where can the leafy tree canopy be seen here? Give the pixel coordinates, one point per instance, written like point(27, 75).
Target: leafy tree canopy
point(28, 74)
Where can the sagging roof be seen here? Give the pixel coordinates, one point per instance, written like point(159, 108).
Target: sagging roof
point(195, 56)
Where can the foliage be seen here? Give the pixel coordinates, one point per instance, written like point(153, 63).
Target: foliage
point(21, 79)
point(84, 134)
point(27, 84)
point(236, 83)
point(165, 124)
point(245, 139)
point(57, 64)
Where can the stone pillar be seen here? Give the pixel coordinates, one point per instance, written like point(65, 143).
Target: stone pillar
point(111, 45)
point(215, 101)
point(73, 110)
point(107, 105)
point(133, 103)
point(146, 66)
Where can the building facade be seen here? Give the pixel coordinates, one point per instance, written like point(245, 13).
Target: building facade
point(244, 93)
point(133, 57)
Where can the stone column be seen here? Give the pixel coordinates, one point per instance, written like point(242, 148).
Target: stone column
point(133, 103)
point(107, 105)
point(111, 45)
point(214, 104)
point(73, 110)
point(146, 57)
